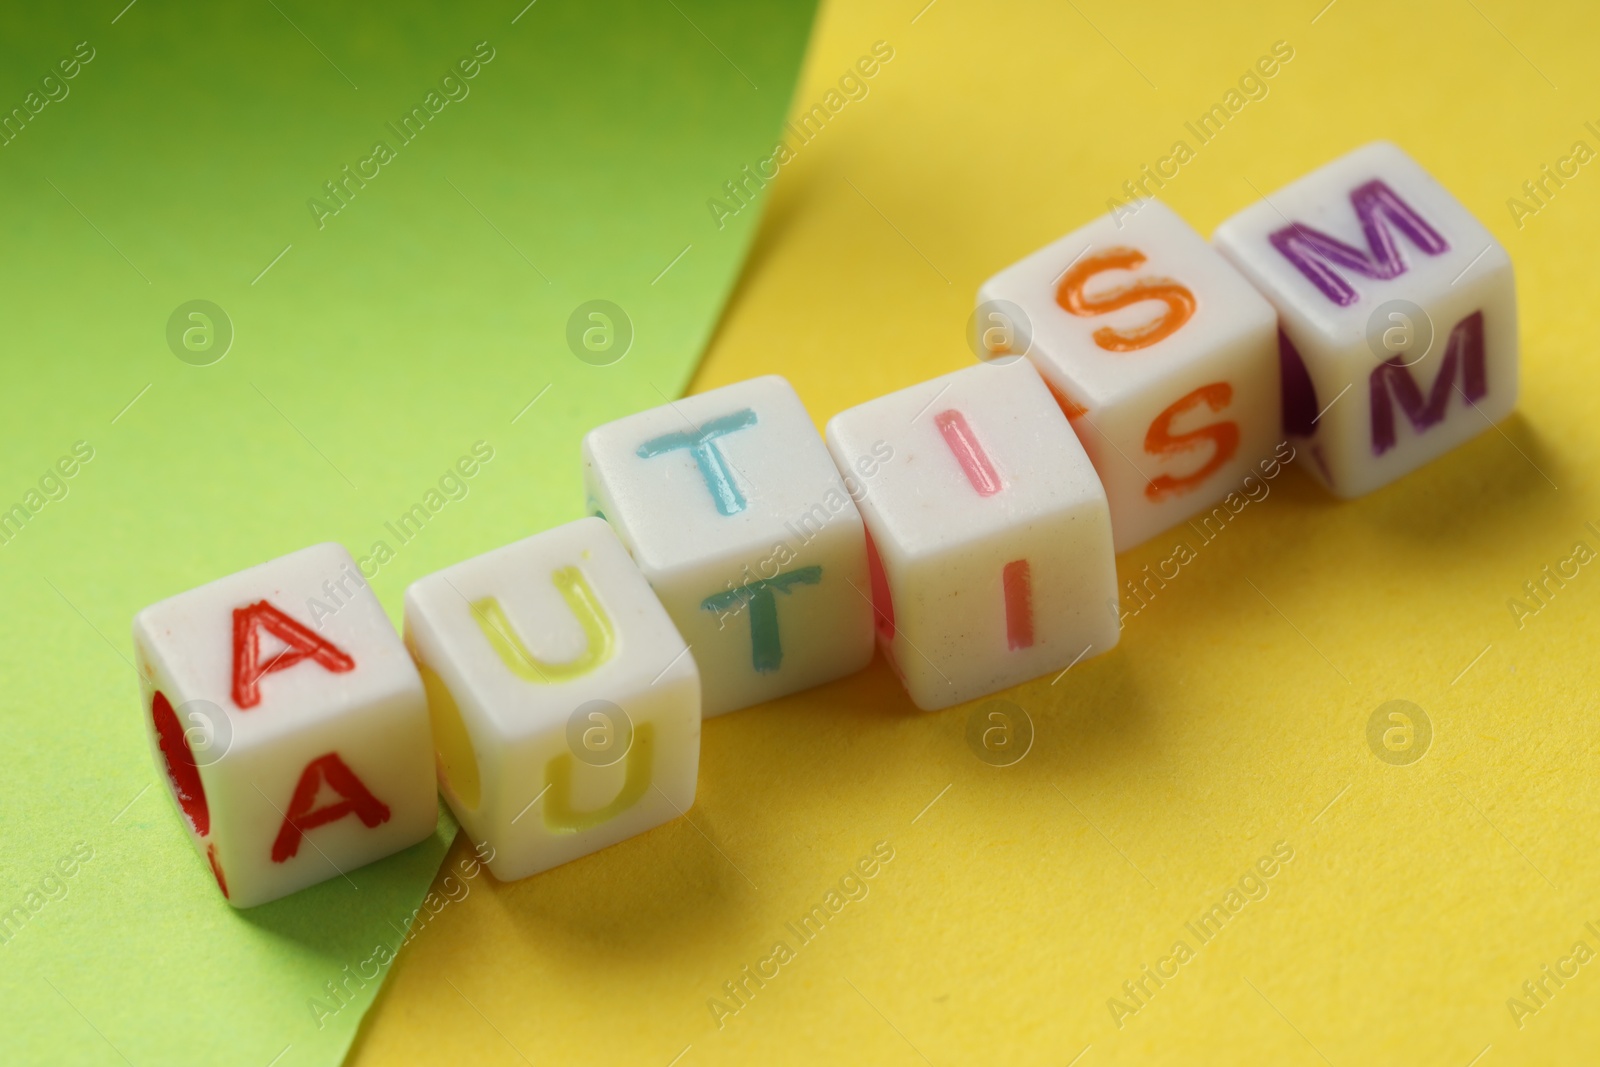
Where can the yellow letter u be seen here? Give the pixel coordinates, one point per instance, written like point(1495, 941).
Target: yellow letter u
point(585, 607)
point(559, 814)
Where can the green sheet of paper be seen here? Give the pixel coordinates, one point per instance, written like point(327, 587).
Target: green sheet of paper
point(269, 270)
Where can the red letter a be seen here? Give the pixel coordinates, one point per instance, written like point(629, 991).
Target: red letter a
point(300, 818)
point(302, 644)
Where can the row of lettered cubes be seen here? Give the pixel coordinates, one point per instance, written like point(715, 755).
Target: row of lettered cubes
point(1135, 376)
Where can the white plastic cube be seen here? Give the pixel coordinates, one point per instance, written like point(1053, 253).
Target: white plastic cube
point(1398, 309)
point(288, 722)
point(566, 708)
point(1162, 355)
point(731, 507)
point(991, 536)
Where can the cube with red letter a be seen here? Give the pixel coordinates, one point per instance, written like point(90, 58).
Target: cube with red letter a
point(289, 723)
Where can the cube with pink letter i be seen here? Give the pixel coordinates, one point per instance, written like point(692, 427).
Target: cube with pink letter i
point(288, 722)
point(1397, 311)
point(989, 537)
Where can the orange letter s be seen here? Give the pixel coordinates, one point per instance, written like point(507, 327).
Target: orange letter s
point(1179, 300)
point(1161, 441)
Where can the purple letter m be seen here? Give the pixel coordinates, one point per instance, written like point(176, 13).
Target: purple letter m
point(1465, 347)
point(1317, 255)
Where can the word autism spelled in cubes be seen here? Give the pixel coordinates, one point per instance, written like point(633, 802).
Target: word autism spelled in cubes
point(967, 526)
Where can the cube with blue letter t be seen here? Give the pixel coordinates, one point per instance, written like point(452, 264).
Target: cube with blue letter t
point(989, 535)
point(565, 707)
point(1397, 314)
point(288, 722)
point(731, 506)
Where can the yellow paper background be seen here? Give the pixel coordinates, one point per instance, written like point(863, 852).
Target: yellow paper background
point(1233, 714)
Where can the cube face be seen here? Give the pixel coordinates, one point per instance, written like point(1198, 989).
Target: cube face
point(288, 722)
point(566, 707)
point(1162, 355)
point(1388, 288)
point(731, 506)
point(990, 531)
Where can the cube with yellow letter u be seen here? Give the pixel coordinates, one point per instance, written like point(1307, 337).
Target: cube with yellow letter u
point(565, 705)
point(1162, 355)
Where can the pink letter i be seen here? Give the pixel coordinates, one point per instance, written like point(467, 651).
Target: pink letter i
point(968, 452)
point(1016, 578)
